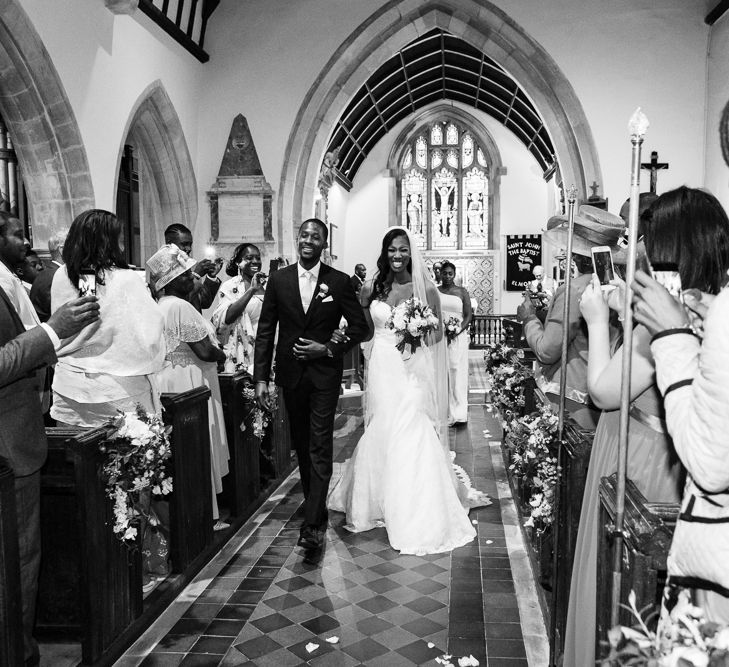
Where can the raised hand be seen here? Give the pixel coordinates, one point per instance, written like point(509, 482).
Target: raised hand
point(75, 315)
point(654, 307)
point(526, 309)
point(593, 303)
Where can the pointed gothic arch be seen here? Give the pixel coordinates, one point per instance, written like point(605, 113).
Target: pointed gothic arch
point(46, 136)
point(388, 30)
point(168, 187)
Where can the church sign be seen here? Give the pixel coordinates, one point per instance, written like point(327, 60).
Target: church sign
point(523, 253)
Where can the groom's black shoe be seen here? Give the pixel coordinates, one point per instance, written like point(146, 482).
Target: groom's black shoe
point(309, 538)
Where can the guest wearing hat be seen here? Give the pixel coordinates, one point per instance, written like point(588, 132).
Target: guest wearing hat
point(592, 227)
point(192, 352)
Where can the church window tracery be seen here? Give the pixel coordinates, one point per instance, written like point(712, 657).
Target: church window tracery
point(445, 192)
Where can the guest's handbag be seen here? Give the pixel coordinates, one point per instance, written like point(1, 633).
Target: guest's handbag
point(698, 554)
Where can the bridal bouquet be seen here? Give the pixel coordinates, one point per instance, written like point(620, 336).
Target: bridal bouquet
point(136, 467)
point(411, 320)
point(452, 327)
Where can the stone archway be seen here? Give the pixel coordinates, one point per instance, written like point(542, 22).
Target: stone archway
point(388, 30)
point(168, 187)
point(45, 133)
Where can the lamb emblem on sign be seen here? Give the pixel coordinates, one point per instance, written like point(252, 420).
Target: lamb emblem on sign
point(524, 263)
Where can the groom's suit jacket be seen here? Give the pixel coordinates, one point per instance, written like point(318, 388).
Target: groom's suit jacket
point(22, 354)
point(282, 306)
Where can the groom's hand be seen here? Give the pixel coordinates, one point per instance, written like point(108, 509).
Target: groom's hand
point(306, 350)
point(262, 397)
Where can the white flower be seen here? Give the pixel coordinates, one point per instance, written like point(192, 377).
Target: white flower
point(721, 640)
point(682, 655)
point(323, 290)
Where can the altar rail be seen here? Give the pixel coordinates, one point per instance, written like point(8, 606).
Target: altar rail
point(486, 330)
point(11, 627)
point(648, 532)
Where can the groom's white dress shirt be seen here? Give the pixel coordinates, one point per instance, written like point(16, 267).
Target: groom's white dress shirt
point(307, 282)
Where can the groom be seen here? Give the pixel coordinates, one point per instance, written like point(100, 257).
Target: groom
point(307, 300)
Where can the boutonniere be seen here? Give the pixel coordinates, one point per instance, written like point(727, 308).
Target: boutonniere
point(323, 291)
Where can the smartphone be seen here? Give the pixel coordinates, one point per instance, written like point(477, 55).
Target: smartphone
point(642, 262)
point(666, 273)
point(273, 266)
point(87, 282)
point(602, 263)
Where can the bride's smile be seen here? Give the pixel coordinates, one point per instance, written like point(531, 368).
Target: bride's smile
point(398, 254)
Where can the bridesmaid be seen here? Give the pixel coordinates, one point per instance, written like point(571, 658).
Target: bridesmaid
point(456, 302)
point(240, 300)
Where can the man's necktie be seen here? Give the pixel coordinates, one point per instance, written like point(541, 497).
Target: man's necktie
point(308, 290)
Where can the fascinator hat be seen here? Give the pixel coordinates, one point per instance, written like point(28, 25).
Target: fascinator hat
point(593, 227)
point(168, 263)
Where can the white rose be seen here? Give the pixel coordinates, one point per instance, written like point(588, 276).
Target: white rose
point(413, 328)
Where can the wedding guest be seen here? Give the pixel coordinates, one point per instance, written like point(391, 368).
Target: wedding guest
point(683, 227)
point(40, 293)
point(206, 270)
point(456, 302)
point(239, 305)
point(693, 377)
point(358, 279)
point(24, 358)
point(29, 270)
point(592, 226)
point(437, 266)
point(192, 353)
point(13, 249)
point(111, 365)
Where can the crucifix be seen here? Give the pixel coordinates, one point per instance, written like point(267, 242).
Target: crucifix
point(654, 165)
point(594, 187)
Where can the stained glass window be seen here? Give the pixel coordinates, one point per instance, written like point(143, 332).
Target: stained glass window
point(445, 190)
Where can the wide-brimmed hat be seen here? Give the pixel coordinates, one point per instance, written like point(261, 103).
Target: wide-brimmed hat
point(168, 263)
point(593, 227)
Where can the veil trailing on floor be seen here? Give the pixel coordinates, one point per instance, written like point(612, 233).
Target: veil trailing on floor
point(436, 346)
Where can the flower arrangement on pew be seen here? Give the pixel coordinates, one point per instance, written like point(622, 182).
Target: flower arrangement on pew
point(411, 320)
point(506, 377)
point(684, 638)
point(136, 468)
point(238, 351)
point(532, 445)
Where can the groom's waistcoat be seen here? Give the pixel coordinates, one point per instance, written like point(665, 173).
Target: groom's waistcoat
point(333, 299)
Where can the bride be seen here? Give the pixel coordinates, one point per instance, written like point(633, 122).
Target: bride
point(400, 475)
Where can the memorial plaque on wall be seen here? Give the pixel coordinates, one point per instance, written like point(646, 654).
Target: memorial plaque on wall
point(523, 253)
point(240, 216)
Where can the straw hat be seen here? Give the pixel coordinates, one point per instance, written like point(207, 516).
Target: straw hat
point(593, 227)
point(168, 263)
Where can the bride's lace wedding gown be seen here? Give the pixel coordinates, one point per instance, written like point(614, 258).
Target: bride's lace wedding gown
point(400, 475)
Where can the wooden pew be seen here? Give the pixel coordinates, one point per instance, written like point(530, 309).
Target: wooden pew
point(242, 485)
point(648, 532)
point(11, 612)
point(90, 583)
point(191, 512)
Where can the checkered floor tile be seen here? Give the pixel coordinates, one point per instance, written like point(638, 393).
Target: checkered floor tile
point(359, 601)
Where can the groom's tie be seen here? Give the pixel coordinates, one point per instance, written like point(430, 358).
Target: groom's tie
point(307, 290)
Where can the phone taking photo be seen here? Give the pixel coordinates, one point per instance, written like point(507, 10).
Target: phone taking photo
point(666, 274)
point(602, 264)
point(273, 266)
point(87, 282)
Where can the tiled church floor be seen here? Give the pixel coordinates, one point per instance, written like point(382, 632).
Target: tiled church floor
point(261, 603)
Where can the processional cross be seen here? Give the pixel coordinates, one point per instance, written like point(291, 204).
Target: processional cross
point(654, 165)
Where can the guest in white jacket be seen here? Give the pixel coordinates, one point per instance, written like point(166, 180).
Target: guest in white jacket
point(693, 376)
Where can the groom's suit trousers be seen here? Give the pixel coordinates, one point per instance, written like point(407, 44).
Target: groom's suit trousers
point(311, 414)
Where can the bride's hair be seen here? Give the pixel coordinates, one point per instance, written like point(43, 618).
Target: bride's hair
point(383, 283)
